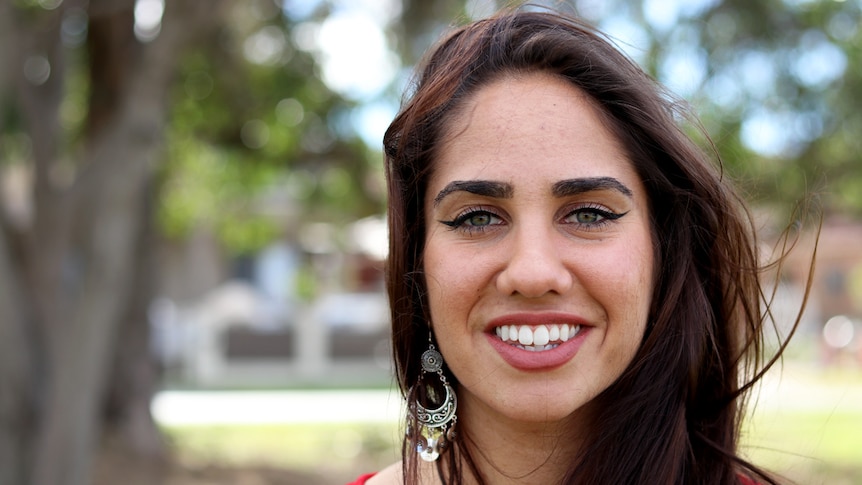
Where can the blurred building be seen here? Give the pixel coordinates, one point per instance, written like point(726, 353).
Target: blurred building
point(836, 286)
point(306, 312)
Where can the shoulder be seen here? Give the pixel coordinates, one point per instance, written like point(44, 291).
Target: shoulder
point(394, 475)
point(390, 475)
point(362, 480)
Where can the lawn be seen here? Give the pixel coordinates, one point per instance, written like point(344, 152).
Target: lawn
point(809, 447)
point(335, 452)
point(807, 426)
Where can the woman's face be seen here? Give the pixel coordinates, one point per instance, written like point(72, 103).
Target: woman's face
point(538, 257)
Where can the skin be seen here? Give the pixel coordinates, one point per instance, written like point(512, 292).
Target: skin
point(534, 213)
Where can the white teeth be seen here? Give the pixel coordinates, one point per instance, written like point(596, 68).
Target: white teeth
point(525, 336)
point(537, 348)
point(542, 337)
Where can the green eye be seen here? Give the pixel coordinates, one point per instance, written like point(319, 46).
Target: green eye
point(474, 220)
point(479, 219)
point(591, 217)
point(588, 217)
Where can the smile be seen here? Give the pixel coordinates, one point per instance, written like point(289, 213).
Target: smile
point(536, 338)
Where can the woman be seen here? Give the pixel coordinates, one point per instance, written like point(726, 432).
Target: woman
point(574, 285)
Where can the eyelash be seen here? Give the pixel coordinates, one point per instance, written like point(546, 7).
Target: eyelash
point(460, 221)
point(606, 217)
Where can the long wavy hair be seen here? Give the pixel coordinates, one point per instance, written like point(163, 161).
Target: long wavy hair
point(674, 415)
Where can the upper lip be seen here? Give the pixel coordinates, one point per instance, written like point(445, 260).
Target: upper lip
point(535, 319)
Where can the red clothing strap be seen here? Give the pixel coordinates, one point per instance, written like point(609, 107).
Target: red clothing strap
point(361, 480)
point(744, 480)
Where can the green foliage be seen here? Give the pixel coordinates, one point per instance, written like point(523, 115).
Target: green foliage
point(208, 186)
point(247, 126)
point(15, 148)
point(794, 64)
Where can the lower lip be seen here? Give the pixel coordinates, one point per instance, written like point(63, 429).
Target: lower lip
point(542, 360)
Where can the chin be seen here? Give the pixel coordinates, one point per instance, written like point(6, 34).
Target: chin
point(554, 415)
point(544, 408)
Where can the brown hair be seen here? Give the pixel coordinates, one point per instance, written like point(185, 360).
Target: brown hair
point(674, 415)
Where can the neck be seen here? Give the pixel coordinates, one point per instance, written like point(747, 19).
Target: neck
point(510, 451)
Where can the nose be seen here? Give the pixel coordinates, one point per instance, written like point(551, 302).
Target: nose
point(534, 268)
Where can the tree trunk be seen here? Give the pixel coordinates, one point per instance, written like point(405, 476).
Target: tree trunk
point(69, 277)
point(15, 391)
point(129, 425)
point(81, 344)
point(25, 254)
point(13, 345)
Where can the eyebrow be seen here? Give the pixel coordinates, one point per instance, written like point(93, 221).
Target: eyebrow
point(565, 188)
point(497, 190)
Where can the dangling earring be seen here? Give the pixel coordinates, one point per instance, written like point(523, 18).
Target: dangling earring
point(436, 427)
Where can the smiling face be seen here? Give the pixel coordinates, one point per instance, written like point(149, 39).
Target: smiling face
point(538, 257)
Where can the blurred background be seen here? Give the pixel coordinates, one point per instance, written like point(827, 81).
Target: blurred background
point(192, 225)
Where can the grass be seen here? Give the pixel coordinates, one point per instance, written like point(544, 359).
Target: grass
point(337, 452)
point(810, 431)
point(807, 427)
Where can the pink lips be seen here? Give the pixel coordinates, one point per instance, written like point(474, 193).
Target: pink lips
point(543, 360)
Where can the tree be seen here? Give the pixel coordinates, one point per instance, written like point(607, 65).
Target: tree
point(776, 84)
point(107, 124)
point(66, 259)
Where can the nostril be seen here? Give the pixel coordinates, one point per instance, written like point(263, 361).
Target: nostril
point(533, 266)
point(534, 279)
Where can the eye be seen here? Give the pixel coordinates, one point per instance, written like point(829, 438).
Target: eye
point(478, 219)
point(474, 220)
point(591, 217)
point(588, 216)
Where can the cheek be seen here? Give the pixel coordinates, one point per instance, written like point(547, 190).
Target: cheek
point(454, 275)
point(641, 299)
point(445, 283)
point(458, 285)
point(630, 287)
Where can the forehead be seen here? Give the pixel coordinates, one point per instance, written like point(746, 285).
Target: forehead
point(529, 127)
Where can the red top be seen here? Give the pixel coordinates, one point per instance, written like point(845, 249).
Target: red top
point(364, 478)
point(744, 480)
point(361, 480)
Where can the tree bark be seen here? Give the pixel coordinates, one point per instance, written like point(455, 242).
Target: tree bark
point(21, 311)
point(129, 425)
point(15, 391)
point(67, 279)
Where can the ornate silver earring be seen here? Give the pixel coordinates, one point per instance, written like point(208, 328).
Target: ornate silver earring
point(435, 426)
